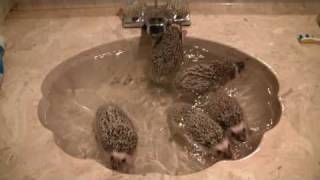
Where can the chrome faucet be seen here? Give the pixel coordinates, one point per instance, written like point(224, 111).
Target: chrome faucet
point(156, 16)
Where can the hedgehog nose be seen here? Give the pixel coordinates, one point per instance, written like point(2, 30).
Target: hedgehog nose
point(114, 167)
point(228, 153)
point(242, 136)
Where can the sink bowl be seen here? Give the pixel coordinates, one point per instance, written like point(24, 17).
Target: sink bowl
point(116, 72)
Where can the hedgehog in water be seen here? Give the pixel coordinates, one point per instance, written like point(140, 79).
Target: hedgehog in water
point(228, 113)
point(195, 129)
point(200, 78)
point(116, 134)
point(167, 54)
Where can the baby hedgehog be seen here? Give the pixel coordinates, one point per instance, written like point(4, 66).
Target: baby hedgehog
point(194, 128)
point(199, 78)
point(228, 113)
point(116, 134)
point(167, 54)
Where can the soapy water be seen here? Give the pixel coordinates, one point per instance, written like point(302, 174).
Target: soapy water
point(116, 73)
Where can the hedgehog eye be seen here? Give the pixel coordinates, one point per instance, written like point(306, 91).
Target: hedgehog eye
point(233, 134)
point(219, 153)
point(123, 160)
point(111, 158)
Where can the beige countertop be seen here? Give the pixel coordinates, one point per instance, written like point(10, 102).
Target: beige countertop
point(39, 41)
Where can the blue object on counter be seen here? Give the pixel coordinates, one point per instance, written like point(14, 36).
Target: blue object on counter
point(1, 61)
point(308, 39)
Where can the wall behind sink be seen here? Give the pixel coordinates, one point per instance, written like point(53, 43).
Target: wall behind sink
point(201, 6)
point(85, 3)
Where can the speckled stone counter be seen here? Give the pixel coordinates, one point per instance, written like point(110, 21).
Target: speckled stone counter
point(38, 41)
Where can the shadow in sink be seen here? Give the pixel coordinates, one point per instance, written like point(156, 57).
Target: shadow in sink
point(115, 72)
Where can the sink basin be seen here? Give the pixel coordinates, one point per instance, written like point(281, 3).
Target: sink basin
point(116, 72)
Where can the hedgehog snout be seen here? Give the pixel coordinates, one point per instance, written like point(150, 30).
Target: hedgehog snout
point(239, 132)
point(240, 136)
point(121, 162)
point(223, 150)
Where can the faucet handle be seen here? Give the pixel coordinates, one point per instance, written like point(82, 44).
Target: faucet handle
point(133, 14)
point(138, 14)
point(181, 11)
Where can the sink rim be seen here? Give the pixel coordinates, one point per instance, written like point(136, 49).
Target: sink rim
point(49, 77)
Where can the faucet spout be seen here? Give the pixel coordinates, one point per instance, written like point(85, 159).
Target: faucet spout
point(156, 25)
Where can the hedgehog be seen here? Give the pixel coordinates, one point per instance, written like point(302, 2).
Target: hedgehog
point(167, 54)
point(200, 78)
point(116, 135)
point(228, 113)
point(194, 128)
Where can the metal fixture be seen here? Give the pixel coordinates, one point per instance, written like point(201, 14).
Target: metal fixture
point(155, 16)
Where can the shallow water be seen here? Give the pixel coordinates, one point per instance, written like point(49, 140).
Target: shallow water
point(116, 72)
